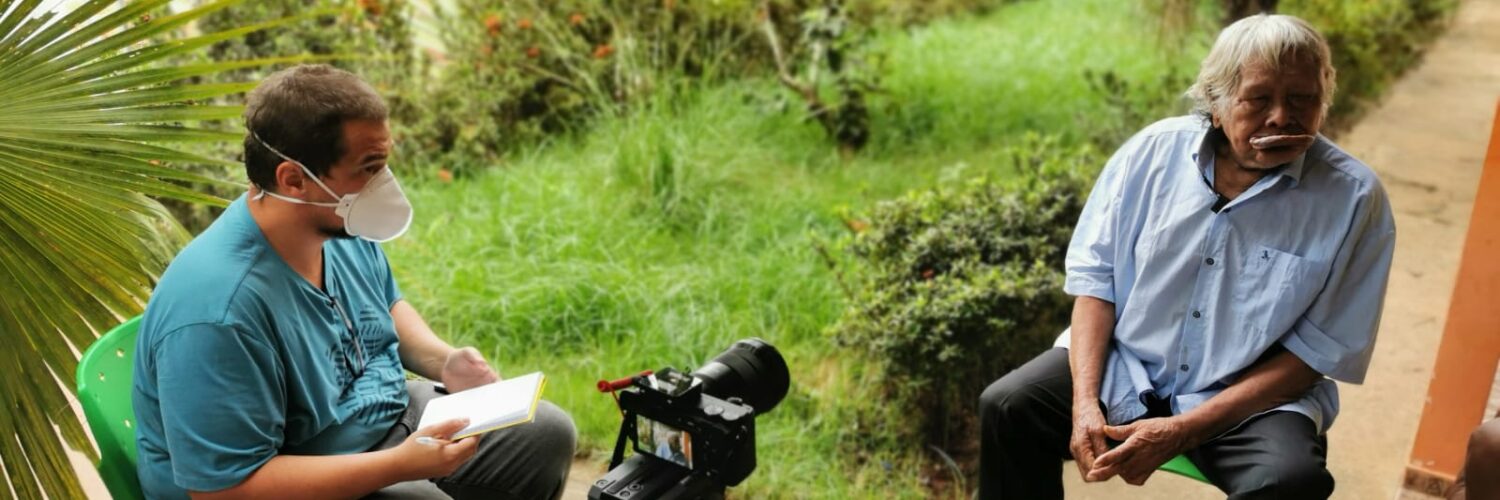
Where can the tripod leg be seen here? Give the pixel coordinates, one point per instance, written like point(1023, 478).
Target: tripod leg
point(627, 431)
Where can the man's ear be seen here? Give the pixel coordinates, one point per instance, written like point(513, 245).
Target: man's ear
point(290, 181)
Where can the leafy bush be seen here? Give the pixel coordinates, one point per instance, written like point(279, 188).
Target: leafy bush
point(950, 288)
point(909, 12)
point(1129, 106)
point(831, 45)
point(518, 71)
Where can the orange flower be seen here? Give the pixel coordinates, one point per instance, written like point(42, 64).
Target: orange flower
point(524, 24)
point(444, 175)
point(575, 19)
point(603, 51)
point(493, 23)
point(926, 274)
point(372, 7)
point(534, 52)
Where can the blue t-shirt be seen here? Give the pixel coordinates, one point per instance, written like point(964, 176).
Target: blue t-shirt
point(240, 359)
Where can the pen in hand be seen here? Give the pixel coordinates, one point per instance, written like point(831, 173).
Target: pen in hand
point(449, 426)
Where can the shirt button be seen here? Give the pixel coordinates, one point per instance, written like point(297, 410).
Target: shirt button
point(1197, 314)
point(1209, 261)
point(1184, 367)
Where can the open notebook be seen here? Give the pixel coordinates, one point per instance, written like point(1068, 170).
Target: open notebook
point(488, 407)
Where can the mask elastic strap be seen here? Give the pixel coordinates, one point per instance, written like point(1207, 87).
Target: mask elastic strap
point(306, 170)
point(263, 193)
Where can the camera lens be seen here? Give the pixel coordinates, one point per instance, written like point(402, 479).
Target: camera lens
point(751, 370)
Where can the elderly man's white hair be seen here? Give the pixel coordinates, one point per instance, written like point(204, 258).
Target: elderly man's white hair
point(1262, 38)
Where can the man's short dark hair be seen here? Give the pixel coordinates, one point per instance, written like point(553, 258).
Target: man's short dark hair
point(301, 111)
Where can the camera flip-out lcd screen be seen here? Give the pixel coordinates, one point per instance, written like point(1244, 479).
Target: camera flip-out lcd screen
point(664, 441)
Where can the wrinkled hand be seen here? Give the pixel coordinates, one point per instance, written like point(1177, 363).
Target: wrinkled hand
point(466, 369)
point(1146, 445)
point(1087, 442)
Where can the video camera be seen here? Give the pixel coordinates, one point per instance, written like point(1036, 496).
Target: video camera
point(693, 434)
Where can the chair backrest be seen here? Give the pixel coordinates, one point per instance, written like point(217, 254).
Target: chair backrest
point(104, 389)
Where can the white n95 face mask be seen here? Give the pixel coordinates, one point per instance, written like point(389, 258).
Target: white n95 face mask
point(379, 212)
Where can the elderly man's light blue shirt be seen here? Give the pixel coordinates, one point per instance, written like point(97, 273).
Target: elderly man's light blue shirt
point(1300, 259)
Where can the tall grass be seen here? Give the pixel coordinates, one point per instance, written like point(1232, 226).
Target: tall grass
point(969, 83)
point(660, 237)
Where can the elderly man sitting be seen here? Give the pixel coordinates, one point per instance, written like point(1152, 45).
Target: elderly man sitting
point(1227, 266)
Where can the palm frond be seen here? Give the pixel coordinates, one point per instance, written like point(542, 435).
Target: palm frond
point(88, 114)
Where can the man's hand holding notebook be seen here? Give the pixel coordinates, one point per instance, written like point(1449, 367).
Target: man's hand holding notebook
point(488, 407)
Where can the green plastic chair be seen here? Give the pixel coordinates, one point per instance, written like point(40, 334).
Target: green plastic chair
point(104, 388)
point(1181, 466)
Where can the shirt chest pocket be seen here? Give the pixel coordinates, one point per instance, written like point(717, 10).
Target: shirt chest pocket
point(1273, 289)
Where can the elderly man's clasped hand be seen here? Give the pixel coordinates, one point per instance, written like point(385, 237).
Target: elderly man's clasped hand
point(1145, 445)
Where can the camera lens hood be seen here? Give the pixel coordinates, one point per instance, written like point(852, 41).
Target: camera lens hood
point(751, 370)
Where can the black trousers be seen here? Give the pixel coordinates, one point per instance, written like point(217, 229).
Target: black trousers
point(1026, 419)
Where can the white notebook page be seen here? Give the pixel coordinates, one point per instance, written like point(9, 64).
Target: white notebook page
point(488, 407)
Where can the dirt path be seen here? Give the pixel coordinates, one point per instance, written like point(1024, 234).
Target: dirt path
point(583, 475)
point(1427, 141)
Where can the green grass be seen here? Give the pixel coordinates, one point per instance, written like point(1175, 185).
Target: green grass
point(658, 238)
point(969, 83)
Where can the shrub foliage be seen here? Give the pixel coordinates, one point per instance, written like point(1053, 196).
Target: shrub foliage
point(950, 288)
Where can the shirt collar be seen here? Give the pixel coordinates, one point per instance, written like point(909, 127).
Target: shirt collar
point(1204, 157)
point(1293, 170)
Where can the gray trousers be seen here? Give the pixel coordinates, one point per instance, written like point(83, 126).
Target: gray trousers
point(524, 462)
point(1026, 419)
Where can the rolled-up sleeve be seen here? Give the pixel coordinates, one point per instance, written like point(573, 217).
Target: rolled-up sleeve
point(1090, 262)
point(1336, 336)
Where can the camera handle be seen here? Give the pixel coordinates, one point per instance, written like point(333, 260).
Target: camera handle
point(627, 432)
point(627, 424)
